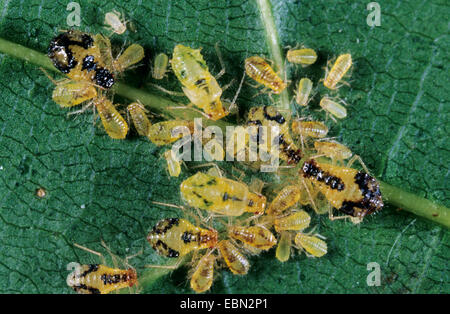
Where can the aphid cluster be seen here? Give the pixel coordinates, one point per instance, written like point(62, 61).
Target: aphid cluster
point(237, 223)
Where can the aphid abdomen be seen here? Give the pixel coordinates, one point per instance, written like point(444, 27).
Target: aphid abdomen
point(258, 69)
point(174, 237)
point(166, 132)
point(296, 221)
point(304, 56)
point(100, 279)
point(334, 108)
point(312, 244)
point(256, 236)
point(235, 260)
point(340, 67)
point(286, 198)
point(203, 276)
point(160, 66)
point(333, 150)
point(114, 124)
point(73, 93)
point(139, 118)
point(132, 55)
point(304, 90)
point(315, 129)
point(283, 250)
point(256, 203)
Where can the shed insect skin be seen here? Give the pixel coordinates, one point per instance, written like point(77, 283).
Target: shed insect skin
point(173, 165)
point(77, 55)
point(175, 237)
point(303, 91)
point(333, 150)
point(352, 192)
point(234, 258)
point(72, 93)
point(114, 124)
point(198, 84)
point(220, 195)
point(258, 69)
point(203, 275)
point(115, 22)
point(337, 72)
point(313, 129)
point(101, 279)
point(160, 65)
point(161, 133)
point(302, 56)
point(140, 120)
point(268, 117)
point(256, 236)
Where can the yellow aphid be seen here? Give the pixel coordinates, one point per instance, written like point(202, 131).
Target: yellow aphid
point(337, 72)
point(78, 55)
point(101, 279)
point(199, 85)
point(203, 275)
point(283, 251)
point(350, 191)
point(140, 120)
point(132, 55)
point(311, 244)
point(285, 199)
point(218, 195)
point(256, 203)
point(114, 124)
point(160, 66)
point(314, 129)
point(334, 108)
point(259, 70)
point(175, 237)
point(166, 132)
point(333, 150)
point(303, 91)
point(256, 236)
point(173, 164)
point(269, 117)
point(115, 23)
point(71, 93)
point(295, 221)
point(235, 260)
point(303, 56)
point(213, 149)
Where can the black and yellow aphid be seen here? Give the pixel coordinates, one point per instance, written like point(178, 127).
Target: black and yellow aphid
point(352, 192)
point(77, 55)
point(269, 117)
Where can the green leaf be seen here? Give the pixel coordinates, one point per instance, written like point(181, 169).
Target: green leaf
point(98, 188)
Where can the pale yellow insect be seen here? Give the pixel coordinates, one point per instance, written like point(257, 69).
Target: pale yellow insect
point(314, 129)
point(173, 164)
point(303, 91)
point(303, 56)
point(311, 244)
point(132, 55)
point(259, 70)
point(69, 93)
point(166, 132)
point(139, 118)
point(234, 258)
point(285, 199)
point(114, 124)
point(256, 236)
point(333, 150)
point(160, 66)
point(283, 251)
point(203, 275)
point(295, 221)
point(333, 108)
point(337, 72)
point(115, 22)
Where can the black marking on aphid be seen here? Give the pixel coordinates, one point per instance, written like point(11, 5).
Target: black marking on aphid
point(200, 82)
point(165, 250)
point(92, 268)
point(187, 237)
point(211, 182)
point(89, 64)
point(225, 196)
point(91, 290)
point(250, 203)
point(165, 224)
point(294, 155)
point(278, 118)
point(311, 169)
point(111, 279)
point(183, 73)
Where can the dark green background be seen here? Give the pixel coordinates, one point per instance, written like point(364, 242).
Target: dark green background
point(398, 122)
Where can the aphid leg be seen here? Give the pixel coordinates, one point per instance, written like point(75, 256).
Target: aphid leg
point(174, 266)
point(51, 78)
point(313, 204)
point(92, 252)
point(222, 64)
point(233, 102)
point(357, 157)
point(179, 94)
point(191, 108)
point(216, 171)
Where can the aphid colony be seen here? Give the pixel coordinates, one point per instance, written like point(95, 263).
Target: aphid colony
point(238, 224)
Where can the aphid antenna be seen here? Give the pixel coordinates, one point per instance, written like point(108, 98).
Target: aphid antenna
point(358, 158)
point(190, 108)
point(178, 94)
point(222, 64)
point(51, 78)
point(313, 204)
point(233, 102)
point(175, 266)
